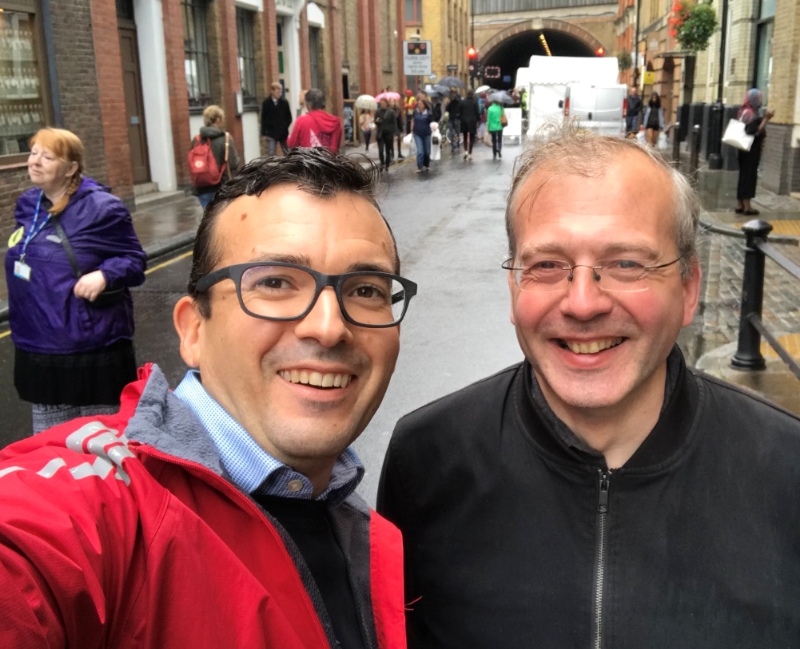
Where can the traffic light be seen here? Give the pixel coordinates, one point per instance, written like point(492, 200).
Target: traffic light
point(600, 51)
point(472, 58)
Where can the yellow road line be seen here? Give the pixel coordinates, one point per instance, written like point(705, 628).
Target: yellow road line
point(147, 272)
point(167, 263)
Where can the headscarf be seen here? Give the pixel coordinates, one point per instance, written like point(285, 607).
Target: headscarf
point(748, 111)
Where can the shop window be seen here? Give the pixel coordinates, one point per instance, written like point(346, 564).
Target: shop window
point(413, 11)
point(247, 56)
point(22, 83)
point(195, 52)
point(764, 30)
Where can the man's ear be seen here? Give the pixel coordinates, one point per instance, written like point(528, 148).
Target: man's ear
point(188, 323)
point(691, 293)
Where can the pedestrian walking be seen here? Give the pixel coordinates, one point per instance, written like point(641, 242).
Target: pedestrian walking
point(401, 127)
point(469, 116)
point(653, 119)
point(70, 262)
point(367, 124)
point(216, 149)
point(410, 103)
point(755, 124)
point(276, 118)
point(634, 111)
point(421, 128)
point(386, 124)
point(453, 111)
point(317, 128)
point(482, 106)
point(495, 123)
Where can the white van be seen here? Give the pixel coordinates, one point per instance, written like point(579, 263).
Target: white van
point(600, 109)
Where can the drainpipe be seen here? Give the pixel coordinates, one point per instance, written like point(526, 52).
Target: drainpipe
point(50, 56)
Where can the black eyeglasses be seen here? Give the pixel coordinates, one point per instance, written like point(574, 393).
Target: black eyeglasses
point(284, 292)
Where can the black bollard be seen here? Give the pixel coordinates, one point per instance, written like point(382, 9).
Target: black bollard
point(694, 159)
point(676, 144)
point(748, 351)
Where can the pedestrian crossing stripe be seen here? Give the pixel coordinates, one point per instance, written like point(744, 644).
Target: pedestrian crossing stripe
point(16, 236)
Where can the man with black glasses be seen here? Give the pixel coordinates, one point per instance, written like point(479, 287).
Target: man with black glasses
point(601, 493)
point(224, 515)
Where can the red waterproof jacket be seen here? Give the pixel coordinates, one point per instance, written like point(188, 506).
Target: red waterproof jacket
point(122, 531)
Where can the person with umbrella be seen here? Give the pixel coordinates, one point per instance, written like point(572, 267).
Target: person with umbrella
point(366, 104)
point(495, 115)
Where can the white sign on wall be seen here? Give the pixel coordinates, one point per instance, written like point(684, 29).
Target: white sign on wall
point(417, 58)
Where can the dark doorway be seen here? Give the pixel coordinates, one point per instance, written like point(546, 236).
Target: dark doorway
point(134, 103)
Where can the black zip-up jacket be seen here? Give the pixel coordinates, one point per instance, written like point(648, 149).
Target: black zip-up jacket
point(514, 539)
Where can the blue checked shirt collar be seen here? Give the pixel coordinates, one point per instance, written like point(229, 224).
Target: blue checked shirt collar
point(249, 466)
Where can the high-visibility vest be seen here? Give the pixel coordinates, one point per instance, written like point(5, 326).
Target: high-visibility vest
point(411, 104)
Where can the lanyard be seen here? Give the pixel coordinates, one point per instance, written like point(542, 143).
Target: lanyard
point(33, 231)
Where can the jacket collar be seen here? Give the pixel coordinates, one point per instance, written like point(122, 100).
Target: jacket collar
point(667, 437)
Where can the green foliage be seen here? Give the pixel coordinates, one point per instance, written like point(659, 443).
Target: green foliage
point(693, 24)
point(624, 60)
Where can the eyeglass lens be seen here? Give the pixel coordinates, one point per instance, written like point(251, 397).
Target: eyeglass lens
point(287, 292)
point(615, 275)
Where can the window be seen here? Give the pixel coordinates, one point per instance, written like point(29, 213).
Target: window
point(247, 56)
point(413, 11)
point(313, 53)
point(195, 52)
point(22, 106)
point(764, 31)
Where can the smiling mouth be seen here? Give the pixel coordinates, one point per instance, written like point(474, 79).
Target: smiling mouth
point(589, 348)
point(317, 379)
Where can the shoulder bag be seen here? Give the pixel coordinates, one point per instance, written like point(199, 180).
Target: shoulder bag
point(736, 136)
point(106, 298)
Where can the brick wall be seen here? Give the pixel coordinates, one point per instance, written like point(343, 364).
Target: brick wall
point(111, 95)
point(780, 163)
point(77, 80)
point(785, 47)
point(334, 56)
point(176, 80)
point(305, 56)
point(347, 25)
point(13, 181)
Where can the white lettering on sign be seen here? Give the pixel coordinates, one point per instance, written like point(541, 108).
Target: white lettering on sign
point(417, 58)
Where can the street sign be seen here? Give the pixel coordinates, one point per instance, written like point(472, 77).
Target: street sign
point(649, 78)
point(452, 67)
point(417, 58)
point(491, 72)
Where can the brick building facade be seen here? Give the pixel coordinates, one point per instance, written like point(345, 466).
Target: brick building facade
point(131, 77)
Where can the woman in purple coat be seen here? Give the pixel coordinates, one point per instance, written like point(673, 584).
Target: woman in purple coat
point(70, 261)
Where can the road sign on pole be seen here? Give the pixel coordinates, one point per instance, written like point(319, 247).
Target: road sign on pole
point(417, 58)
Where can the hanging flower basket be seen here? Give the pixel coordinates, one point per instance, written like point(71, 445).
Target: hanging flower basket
point(692, 25)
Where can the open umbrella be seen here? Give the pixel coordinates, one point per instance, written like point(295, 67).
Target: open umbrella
point(481, 89)
point(389, 95)
point(502, 97)
point(451, 82)
point(366, 102)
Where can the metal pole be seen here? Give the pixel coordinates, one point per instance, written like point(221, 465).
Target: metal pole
point(676, 144)
point(748, 351)
point(472, 42)
point(694, 157)
point(717, 111)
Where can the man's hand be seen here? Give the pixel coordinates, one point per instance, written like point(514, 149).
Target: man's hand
point(90, 285)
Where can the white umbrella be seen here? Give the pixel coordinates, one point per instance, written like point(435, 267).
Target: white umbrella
point(481, 89)
point(366, 102)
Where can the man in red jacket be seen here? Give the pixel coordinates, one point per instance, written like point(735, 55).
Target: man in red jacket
point(316, 128)
point(224, 514)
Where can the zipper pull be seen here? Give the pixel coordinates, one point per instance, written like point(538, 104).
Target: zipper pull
point(602, 504)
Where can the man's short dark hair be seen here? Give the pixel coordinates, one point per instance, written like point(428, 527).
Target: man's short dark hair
point(317, 171)
point(315, 100)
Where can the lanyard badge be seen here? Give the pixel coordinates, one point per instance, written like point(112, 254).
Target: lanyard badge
point(21, 269)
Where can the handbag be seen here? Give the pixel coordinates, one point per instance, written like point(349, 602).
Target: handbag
point(736, 136)
point(106, 298)
point(503, 119)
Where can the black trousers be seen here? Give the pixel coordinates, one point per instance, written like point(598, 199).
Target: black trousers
point(497, 141)
point(386, 149)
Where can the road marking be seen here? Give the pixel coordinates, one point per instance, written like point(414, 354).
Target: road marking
point(167, 263)
point(147, 272)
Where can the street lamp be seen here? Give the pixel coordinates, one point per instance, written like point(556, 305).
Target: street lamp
point(718, 109)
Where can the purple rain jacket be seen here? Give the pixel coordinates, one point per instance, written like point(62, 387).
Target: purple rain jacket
point(44, 314)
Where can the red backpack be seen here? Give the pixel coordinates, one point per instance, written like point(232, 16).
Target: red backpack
point(203, 165)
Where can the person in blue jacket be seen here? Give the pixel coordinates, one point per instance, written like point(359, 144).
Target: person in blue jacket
point(69, 264)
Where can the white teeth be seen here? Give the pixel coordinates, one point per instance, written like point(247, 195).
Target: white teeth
point(316, 379)
point(594, 346)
